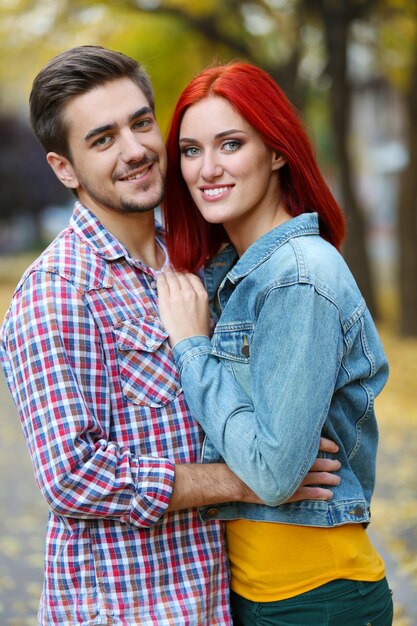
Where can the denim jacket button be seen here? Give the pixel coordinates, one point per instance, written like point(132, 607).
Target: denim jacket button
point(245, 350)
point(358, 511)
point(212, 512)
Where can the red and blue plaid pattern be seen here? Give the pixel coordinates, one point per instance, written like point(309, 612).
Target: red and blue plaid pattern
point(105, 420)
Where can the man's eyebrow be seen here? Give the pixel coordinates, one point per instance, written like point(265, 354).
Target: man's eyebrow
point(104, 129)
point(223, 133)
point(143, 111)
point(99, 130)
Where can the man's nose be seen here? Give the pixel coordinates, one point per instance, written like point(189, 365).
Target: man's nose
point(132, 148)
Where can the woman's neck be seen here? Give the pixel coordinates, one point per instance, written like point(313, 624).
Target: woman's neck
point(243, 234)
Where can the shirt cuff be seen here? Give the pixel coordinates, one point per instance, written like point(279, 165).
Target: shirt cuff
point(153, 492)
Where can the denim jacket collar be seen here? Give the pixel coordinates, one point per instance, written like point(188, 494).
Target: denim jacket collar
point(262, 248)
point(226, 264)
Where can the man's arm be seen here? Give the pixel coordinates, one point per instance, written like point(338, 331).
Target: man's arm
point(214, 483)
point(56, 369)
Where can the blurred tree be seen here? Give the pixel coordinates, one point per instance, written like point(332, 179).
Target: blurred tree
point(407, 217)
point(337, 17)
point(303, 44)
point(252, 19)
point(27, 184)
point(398, 27)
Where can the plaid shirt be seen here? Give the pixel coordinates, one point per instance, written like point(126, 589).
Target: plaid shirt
point(105, 419)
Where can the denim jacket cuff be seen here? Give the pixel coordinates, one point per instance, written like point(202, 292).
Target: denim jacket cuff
point(186, 349)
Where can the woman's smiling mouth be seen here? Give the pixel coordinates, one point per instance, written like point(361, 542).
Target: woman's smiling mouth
point(215, 192)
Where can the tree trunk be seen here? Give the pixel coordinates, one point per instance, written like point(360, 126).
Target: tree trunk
point(336, 17)
point(407, 221)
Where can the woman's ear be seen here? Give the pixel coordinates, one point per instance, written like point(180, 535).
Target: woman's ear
point(63, 170)
point(278, 160)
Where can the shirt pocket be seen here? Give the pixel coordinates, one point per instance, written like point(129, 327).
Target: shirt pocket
point(148, 372)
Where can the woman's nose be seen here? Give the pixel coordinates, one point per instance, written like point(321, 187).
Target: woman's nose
point(211, 167)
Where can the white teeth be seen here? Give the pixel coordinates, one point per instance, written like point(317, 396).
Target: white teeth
point(135, 176)
point(215, 192)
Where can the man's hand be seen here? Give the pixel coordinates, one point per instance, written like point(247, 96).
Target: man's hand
point(183, 306)
point(320, 473)
point(213, 483)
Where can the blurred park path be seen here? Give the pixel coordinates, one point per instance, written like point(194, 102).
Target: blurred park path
point(394, 526)
point(22, 523)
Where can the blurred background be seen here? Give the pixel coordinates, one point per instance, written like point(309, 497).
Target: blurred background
point(350, 68)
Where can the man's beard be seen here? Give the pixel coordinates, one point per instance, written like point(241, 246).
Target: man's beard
point(128, 205)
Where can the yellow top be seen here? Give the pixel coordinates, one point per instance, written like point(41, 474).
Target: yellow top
point(271, 562)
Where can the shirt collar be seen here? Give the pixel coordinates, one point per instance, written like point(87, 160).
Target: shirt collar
point(89, 228)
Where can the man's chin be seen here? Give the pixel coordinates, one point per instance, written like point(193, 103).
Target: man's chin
point(136, 208)
point(130, 205)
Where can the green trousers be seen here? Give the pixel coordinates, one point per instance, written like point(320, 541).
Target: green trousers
point(338, 603)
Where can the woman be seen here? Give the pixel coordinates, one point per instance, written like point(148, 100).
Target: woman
point(294, 353)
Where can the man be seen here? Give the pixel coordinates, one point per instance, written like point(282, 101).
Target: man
point(114, 448)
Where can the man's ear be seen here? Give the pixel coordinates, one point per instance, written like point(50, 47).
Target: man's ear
point(63, 170)
point(278, 160)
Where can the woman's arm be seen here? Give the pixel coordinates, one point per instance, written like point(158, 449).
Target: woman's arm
point(271, 440)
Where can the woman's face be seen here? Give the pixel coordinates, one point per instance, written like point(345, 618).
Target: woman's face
point(230, 172)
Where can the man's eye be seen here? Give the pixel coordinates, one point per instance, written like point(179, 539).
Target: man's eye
point(232, 145)
point(102, 141)
point(141, 124)
point(190, 151)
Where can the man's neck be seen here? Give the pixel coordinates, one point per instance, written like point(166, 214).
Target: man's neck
point(136, 231)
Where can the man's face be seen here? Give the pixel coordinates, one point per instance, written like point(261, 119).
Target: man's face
point(118, 158)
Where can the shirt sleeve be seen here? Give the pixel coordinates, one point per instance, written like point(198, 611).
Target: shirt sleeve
point(271, 439)
point(55, 367)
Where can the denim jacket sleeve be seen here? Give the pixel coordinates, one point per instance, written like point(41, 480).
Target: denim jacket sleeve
point(270, 440)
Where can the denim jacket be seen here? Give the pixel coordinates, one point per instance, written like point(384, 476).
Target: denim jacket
point(294, 354)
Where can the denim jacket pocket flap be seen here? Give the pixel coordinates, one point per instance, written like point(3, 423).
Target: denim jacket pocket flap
point(233, 342)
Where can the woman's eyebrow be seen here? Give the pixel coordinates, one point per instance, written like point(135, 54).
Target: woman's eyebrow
point(223, 133)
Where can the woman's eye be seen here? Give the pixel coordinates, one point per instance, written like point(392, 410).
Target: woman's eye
point(191, 151)
point(232, 145)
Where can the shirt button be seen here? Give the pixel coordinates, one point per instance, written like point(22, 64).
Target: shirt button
point(212, 512)
point(153, 284)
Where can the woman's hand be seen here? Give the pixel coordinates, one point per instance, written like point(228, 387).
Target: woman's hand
point(321, 476)
point(183, 306)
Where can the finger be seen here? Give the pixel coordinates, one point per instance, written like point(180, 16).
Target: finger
point(180, 284)
point(162, 285)
point(311, 493)
point(321, 478)
point(325, 465)
point(191, 284)
point(327, 445)
point(173, 279)
point(196, 284)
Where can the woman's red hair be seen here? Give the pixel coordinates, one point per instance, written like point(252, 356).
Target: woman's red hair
point(254, 94)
